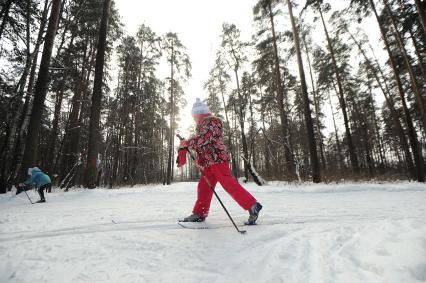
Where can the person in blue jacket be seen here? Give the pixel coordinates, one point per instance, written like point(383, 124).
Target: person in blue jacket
point(40, 180)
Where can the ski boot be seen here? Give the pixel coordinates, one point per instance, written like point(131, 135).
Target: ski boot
point(254, 214)
point(194, 218)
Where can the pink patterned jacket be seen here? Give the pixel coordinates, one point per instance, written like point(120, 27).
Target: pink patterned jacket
point(208, 143)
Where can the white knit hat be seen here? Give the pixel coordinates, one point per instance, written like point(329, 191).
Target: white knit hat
point(199, 107)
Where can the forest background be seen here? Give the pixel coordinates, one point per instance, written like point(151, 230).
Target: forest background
point(308, 90)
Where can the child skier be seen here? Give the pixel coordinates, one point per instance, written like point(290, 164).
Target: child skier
point(213, 161)
point(40, 180)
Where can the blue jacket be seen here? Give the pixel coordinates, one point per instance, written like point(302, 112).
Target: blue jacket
point(38, 178)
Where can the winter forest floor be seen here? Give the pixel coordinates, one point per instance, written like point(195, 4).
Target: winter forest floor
point(355, 232)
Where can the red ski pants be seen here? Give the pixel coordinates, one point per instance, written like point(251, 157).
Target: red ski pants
point(220, 173)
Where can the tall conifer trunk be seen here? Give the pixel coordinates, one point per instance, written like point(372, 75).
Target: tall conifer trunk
point(289, 163)
point(352, 154)
point(30, 152)
point(242, 126)
point(95, 111)
point(231, 144)
point(316, 177)
point(171, 135)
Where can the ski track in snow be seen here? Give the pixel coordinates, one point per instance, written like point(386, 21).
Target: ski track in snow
point(354, 232)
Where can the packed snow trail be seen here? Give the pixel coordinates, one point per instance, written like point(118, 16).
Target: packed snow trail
point(307, 233)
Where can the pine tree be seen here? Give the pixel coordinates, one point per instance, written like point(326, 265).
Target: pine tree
point(94, 134)
point(265, 9)
point(316, 178)
point(233, 49)
point(29, 158)
point(218, 82)
point(180, 70)
point(320, 7)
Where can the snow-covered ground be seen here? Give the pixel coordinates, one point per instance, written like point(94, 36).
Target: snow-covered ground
point(309, 233)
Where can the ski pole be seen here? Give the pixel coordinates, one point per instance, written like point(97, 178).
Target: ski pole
point(214, 192)
point(27, 195)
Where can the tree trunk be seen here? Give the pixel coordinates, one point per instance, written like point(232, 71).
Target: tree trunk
point(242, 126)
point(336, 134)
point(376, 128)
point(171, 136)
point(71, 139)
point(369, 159)
point(76, 150)
point(29, 158)
point(55, 125)
point(353, 157)
point(317, 110)
point(316, 177)
point(289, 163)
point(415, 147)
point(95, 111)
point(252, 134)
point(267, 167)
point(116, 158)
point(361, 123)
